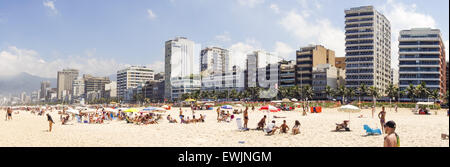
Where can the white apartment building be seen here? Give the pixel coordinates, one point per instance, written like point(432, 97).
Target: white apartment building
point(262, 69)
point(368, 48)
point(182, 67)
point(131, 77)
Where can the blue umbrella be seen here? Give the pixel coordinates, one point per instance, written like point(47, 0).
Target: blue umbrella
point(228, 107)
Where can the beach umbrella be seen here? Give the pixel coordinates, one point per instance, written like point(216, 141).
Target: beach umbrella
point(165, 106)
point(294, 100)
point(189, 100)
point(349, 109)
point(238, 105)
point(131, 110)
point(73, 111)
point(228, 107)
point(269, 108)
point(285, 100)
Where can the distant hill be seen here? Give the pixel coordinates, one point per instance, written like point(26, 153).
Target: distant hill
point(22, 82)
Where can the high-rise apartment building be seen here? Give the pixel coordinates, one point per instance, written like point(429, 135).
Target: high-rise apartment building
point(45, 85)
point(92, 83)
point(132, 77)
point(308, 58)
point(324, 75)
point(262, 69)
point(340, 62)
point(368, 48)
point(422, 59)
point(65, 82)
point(287, 73)
point(78, 87)
point(182, 67)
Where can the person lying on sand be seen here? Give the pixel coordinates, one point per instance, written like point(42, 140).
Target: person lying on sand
point(284, 127)
point(278, 117)
point(444, 136)
point(261, 123)
point(296, 128)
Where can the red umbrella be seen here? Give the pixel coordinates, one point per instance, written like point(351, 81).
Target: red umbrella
point(269, 108)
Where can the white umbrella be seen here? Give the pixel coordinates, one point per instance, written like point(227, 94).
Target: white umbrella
point(294, 100)
point(73, 111)
point(349, 109)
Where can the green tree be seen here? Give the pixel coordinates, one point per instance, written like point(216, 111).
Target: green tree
point(307, 92)
point(374, 92)
point(411, 92)
point(391, 92)
point(434, 95)
point(362, 91)
point(329, 92)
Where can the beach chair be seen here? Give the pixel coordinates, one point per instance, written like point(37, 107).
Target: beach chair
point(371, 131)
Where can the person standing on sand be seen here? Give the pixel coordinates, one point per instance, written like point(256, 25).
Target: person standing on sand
point(50, 122)
point(9, 113)
point(373, 110)
point(382, 116)
point(396, 108)
point(218, 112)
point(245, 117)
point(392, 139)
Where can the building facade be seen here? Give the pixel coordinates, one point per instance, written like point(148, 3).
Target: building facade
point(340, 62)
point(262, 69)
point(324, 75)
point(45, 85)
point(132, 77)
point(422, 59)
point(65, 82)
point(110, 90)
point(368, 48)
point(182, 67)
point(287, 73)
point(308, 58)
point(78, 88)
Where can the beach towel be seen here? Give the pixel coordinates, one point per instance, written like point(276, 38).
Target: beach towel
point(371, 131)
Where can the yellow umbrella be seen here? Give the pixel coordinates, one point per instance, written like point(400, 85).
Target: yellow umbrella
point(189, 100)
point(132, 110)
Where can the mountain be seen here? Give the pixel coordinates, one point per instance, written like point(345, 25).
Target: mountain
point(22, 82)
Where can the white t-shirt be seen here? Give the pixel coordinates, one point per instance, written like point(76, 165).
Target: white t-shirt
point(270, 126)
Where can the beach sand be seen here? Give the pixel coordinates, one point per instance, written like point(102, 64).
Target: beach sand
point(28, 130)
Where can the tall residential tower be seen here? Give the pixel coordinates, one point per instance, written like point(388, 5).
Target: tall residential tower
point(368, 48)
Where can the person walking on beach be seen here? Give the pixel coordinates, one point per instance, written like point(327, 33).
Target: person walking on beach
point(50, 122)
point(373, 110)
point(392, 139)
point(9, 113)
point(396, 108)
point(218, 112)
point(382, 116)
point(245, 117)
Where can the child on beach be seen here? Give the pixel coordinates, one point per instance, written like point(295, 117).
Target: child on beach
point(392, 139)
point(296, 128)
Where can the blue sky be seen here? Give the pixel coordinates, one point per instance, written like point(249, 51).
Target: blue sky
point(102, 36)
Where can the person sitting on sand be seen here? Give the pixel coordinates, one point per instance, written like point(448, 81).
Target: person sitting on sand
point(171, 120)
point(284, 127)
point(343, 125)
point(271, 128)
point(296, 127)
point(444, 136)
point(262, 123)
point(202, 118)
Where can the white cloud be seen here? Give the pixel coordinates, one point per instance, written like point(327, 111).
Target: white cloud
point(284, 50)
point(225, 37)
point(404, 16)
point(14, 61)
point(239, 51)
point(51, 5)
point(157, 66)
point(250, 3)
point(275, 8)
point(319, 31)
point(151, 15)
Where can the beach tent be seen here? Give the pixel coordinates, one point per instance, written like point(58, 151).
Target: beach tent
point(228, 107)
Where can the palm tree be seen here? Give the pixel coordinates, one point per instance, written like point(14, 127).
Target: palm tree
point(362, 91)
point(350, 93)
point(434, 95)
point(374, 92)
point(307, 92)
point(329, 91)
point(411, 92)
point(421, 91)
point(341, 92)
point(391, 92)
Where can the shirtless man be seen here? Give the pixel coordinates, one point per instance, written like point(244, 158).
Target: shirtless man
point(284, 127)
point(392, 139)
point(9, 113)
point(245, 117)
point(262, 122)
point(382, 116)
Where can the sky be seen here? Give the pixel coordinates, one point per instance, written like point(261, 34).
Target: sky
point(99, 37)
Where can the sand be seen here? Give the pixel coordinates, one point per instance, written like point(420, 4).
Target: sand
point(28, 130)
